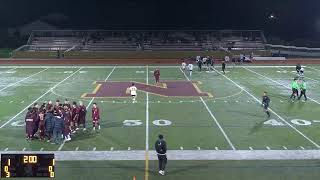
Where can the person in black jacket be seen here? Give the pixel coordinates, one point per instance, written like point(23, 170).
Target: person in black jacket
point(48, 124)
point(58, 126)
point(161, 149)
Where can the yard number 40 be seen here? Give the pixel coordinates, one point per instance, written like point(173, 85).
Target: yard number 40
point(299, 122)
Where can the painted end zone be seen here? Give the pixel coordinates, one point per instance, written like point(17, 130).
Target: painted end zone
point(109, 89)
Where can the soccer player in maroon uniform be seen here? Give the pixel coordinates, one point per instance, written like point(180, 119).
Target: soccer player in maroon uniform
point(82, 114)
point(41, 124)
point(49, 106)
point(67, 121)
point(95, 116)
point(156, 75)
point(36, 120)
point(67, 103)
point(74, 117)
point(29, 119)
point(57, 105)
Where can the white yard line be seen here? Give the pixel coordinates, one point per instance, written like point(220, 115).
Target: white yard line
point(180, 155)
point(49, 90)
point(296, 73)
point(13, 84)
point(147, 111)
point(282, 119)
point(146, 173)
point(91, 101)
point(104, 80)
point(277, 83)
point(214, 118)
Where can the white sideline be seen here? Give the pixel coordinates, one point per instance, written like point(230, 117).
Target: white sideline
point(213, 117)
point(12, 84)
point(49, 90)
point(199, 155)
point(111, 66)
point(62, 144)
point(277, 82)
point(283, 120)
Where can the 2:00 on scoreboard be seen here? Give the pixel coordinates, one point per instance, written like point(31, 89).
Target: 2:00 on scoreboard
point(27, 165)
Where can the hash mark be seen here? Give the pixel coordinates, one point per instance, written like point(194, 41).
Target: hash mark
point(268, 147)
point(77, 148)
point(41, 149)
point(6, 149)
point(285, 148)
point(23, 149)
point(302, 147)
point(199, 148)
point(216, 148)
point(111, 149)
point(94, 149)
point(250, 148)
point(129, 148)
point(181, 148)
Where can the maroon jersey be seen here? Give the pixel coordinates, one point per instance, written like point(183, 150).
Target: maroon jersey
point(82, 114)
point(49, 107)
point(75, 114)
point(95, 114)
point(156, 73)
point(41, 120)
point(67, 120)
point(30, 122)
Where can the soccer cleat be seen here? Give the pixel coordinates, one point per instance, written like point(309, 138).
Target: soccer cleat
point(161, 172)
point(94, 128)
point(99, 127)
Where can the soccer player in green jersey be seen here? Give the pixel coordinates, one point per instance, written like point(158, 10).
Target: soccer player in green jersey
point(303, 89)
point(295, 87)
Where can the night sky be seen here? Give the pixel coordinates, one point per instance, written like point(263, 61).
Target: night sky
point(293, 17)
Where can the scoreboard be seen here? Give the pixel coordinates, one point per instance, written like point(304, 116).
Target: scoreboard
point(27, 165)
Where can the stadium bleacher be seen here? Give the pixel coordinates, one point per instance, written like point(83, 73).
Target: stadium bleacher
point(101, 40)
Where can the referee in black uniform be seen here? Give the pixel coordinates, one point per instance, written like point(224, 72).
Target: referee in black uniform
point(161, 148)
point(266, 103)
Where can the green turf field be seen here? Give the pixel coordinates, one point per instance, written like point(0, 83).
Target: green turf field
point(231, 120)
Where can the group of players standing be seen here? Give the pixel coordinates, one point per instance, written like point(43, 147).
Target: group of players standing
point(57, 122)
point(299, 84)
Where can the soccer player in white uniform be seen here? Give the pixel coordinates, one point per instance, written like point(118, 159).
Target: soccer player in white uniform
point(183, 65)
point(190, 67)
point(133, 91)
point(227, 59)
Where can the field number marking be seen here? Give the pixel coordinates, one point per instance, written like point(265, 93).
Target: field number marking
point(299, 122)
point(137, 122)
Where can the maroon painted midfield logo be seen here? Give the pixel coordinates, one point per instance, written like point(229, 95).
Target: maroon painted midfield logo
point(165, 88)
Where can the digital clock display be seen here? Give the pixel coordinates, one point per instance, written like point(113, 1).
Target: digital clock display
point(27, 165)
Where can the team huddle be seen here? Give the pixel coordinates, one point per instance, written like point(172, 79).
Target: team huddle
point(57, 122)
